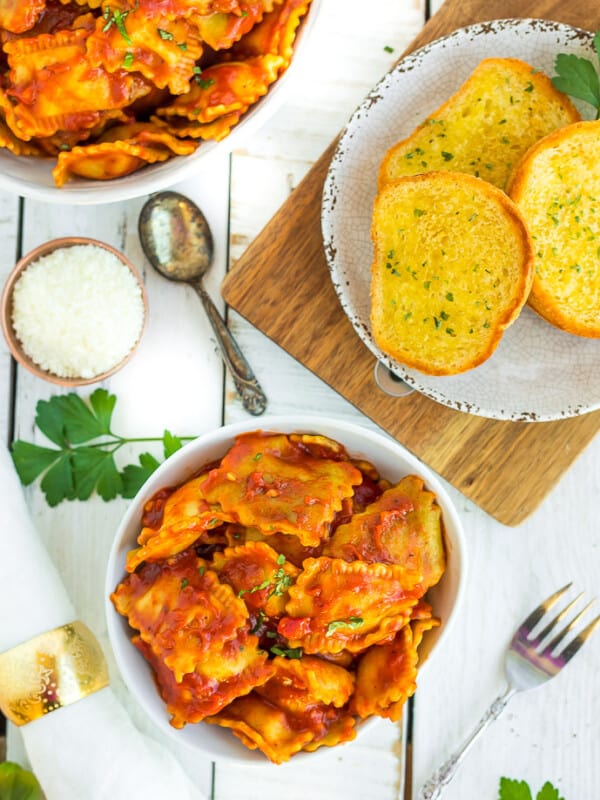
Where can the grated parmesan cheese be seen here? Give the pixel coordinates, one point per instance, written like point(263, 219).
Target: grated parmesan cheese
point(78, 311)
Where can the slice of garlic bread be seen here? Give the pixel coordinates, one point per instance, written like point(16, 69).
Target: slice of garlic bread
point(557, 188)
point(486, 126)
point(452, 268)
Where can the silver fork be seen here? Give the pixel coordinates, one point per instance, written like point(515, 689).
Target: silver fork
point(530, 661)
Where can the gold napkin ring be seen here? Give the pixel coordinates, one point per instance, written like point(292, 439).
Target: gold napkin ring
point(49, 671)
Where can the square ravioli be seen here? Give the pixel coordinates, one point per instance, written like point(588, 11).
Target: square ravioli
point(337, 605)
point(177, 522)
point(273, 484)
point(181, 610)
point(259, 574)
point(240, 667)
point(403, 526)
point(301, 707)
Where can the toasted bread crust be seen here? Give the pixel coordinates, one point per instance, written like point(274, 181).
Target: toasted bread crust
point(452, 268)
point(557, 188)
point(485, 127)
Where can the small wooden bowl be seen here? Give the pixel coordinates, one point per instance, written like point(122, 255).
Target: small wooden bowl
point(6, 305)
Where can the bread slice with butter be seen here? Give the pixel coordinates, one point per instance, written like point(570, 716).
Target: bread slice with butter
point(486, 126)
point(557, 189)
point(452, 268)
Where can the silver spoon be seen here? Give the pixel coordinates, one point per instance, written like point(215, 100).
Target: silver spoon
point(177, 241)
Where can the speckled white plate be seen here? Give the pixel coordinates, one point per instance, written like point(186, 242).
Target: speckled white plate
point(537, 371)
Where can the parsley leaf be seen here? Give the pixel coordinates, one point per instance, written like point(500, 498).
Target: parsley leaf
point(514, 790)
point(548, 792)
point(95, 468)
point(578, 77)
point(58, 483)
point(68, 419)
point(134, 476)
point(171, 443)
point(519, 790)
point(103, 404)
point(84, 461)
point(17, 783)
point(31, 460)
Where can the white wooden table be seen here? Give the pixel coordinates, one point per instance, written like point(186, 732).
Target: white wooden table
point(176, 381)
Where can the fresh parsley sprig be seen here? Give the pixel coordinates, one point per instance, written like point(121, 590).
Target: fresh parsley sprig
point(84, 460)
point(17, 783)
point(519, 790)
point(578, 77)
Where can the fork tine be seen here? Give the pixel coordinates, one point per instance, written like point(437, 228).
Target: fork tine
point(537, 613)
point(569, 651)
point(554, 622)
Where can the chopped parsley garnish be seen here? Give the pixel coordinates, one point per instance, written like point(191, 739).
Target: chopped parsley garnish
point(447, 156)
point(201, 571)
point(205, 84)
point(450, 297)
point(259, 622)
point(287, 652)
point(351, 622)
point(128, 60)
point(166, 35)
point(117, 18)
point(388, 49)
point(418, 212)
point(280, 581)
point(184, 583)
point(264, 585)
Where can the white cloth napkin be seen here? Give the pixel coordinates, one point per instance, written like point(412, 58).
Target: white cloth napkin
point(89, 750)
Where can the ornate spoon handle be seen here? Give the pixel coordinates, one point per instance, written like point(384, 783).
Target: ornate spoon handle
point(248, 388)
point(432, 789)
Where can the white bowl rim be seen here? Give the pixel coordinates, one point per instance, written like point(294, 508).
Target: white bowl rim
point(286, 424)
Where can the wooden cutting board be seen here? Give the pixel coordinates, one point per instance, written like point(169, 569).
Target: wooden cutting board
point(505, 467)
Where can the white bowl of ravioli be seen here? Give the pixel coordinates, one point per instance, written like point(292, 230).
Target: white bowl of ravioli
point(122, 109)
point(277, 576)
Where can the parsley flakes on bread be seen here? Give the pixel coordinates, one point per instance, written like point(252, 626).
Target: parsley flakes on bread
point(503, 108)
point(452, 268)
point(557, 189)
